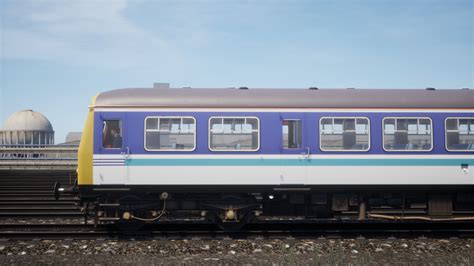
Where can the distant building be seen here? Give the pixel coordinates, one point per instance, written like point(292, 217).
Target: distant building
point(72, 138)
point(27, 127)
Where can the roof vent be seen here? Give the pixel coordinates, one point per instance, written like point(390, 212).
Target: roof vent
point(465, 89)
point(430, 89)
point(350, 88)
point(243, 88)
point(161, 85)
point(313, 88)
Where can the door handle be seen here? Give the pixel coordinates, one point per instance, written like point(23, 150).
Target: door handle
point(306, 154)
point(126, 153)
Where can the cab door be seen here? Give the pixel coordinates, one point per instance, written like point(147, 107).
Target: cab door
point(294, 150)
point(113, 152)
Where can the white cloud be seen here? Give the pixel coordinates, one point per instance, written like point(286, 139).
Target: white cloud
point(84, 32)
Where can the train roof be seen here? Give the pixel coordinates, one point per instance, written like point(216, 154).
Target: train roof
point(286, 98)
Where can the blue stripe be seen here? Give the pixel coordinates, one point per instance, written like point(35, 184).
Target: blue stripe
point(270, 131)
point(298, 162)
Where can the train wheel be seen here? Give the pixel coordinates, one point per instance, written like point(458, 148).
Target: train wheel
point(230, 226)
point(129, 204)
point(129, 227)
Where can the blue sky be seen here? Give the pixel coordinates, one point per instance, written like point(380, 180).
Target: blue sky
point(56, 55)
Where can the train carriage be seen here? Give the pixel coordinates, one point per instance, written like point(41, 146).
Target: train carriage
point(233, 155)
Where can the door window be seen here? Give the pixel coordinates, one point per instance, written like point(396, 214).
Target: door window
point(112, 134)
point(292, 134)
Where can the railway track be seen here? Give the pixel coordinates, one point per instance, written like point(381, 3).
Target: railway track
point(206, 231)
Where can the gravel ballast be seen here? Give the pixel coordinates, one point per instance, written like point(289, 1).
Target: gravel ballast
point(300, 251)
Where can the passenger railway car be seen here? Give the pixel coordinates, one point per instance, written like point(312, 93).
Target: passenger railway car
point(237, 154)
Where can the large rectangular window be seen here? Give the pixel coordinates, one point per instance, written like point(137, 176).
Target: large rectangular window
point(234, 134)
point(344, 134)
point(407, 134)
point(292, 134)
point(459, 134)
point(170, 133)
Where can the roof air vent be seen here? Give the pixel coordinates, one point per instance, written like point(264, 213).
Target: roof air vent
point(243, 88)
point(161, 85)
point(430, 89)
point(313, 88)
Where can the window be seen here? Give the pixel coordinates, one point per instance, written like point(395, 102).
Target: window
point(407, 134)
point(344, 134)
point(234, 134)
point(112, 134)
point(459, 134)
point(170, 133)
point(292, 134)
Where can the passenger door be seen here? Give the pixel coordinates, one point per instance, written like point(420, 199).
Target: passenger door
point(295, 153)
point(113, 150)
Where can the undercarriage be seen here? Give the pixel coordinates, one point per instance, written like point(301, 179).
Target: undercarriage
point(130, 207)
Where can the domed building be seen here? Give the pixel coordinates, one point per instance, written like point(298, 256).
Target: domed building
point(27, 127)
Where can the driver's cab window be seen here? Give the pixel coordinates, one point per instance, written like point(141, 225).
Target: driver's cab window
point(112, 134)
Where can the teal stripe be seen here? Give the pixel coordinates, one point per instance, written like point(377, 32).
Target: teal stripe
point(298, 162)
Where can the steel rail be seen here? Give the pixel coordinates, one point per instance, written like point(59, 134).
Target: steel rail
point(208, 231)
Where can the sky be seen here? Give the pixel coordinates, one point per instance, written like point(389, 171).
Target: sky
point(56, 55)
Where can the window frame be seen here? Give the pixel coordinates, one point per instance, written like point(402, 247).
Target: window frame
point(369, 146)
point(446, 132)
point(232, 117)
point(292, 149)
point(170, 117)
point(407, 117)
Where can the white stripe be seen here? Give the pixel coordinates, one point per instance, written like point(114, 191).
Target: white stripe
point(111, 160)
point(282, 175)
